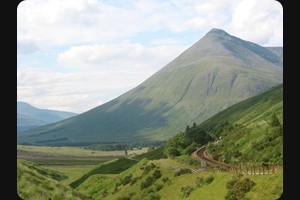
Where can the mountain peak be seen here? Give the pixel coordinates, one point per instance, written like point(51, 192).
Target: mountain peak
point(216, 31)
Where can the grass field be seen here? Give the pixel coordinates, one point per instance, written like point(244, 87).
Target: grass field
point(123, 177)
point(77, 151)
point(37, 183)
point(114, 167)
point(169, 186)
point(73, 172)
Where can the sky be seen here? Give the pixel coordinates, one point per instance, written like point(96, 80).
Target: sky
point(74, 55)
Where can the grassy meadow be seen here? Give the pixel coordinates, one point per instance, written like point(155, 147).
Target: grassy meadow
point(73, 162)
point(132, 183)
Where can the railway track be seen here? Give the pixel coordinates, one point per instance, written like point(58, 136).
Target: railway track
point(201, 154)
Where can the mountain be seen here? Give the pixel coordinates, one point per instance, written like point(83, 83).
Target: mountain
point(29, 117)
point(216, 72)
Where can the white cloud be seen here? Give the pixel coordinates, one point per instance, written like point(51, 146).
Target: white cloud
point(57, 22)
point(25, 47)
point(114, 46)
point(258, 21)
point(75, 92)
point(124, 56)
point(60, 22)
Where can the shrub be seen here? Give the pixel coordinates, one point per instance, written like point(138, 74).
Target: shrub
point(165, 179)
point(171, 152)
point(159, 187)
point(186, 191)
point(238, 188)
point(231, 183)
point(134, 180)
point(231, 195)
point(182, 171)
point(199, 181)
point(148, 168)
point(157, 174)
point(209, 179)
point(126, 180)
point(116, 189)
point(244, 185)
point(149, 181)
point(154, 196)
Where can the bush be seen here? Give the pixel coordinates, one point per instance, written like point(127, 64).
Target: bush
point(182, 171)
point(231, 195)
point(154, 196)
point(238, 188)
point(231, 183)
point(165, 179)
point(159, 187)
point(171, 152)
point(157, 174)
point(149, 181)
point(209, 179)
point(126, 180)
point(186, 191)
point(199, 181)
point(134, 180)
point(148, 168)
point(244, 185)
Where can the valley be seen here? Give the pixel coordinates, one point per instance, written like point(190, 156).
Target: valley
point(208, 125)
point(171, 172)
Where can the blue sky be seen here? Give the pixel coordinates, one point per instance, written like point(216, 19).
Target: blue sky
point(74, 55)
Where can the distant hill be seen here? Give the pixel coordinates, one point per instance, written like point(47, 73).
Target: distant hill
point(29, 117)
point(216, 72)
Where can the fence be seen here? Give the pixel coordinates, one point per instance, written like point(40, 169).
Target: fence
point(250, 169)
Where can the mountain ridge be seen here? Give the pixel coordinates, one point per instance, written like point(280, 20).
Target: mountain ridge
point(29, 117)
point(214, 73)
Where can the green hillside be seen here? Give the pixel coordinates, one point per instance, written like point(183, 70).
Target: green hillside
point(157, 179)
point(112, 167)
point(35, 182)
point(240, 126)
point(216, 72)
point(248, 132)
point(250, 111)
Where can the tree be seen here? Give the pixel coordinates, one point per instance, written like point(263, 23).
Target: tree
point(187, 129)
point(274, 120)
point(194, 125)
point(171, 152)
